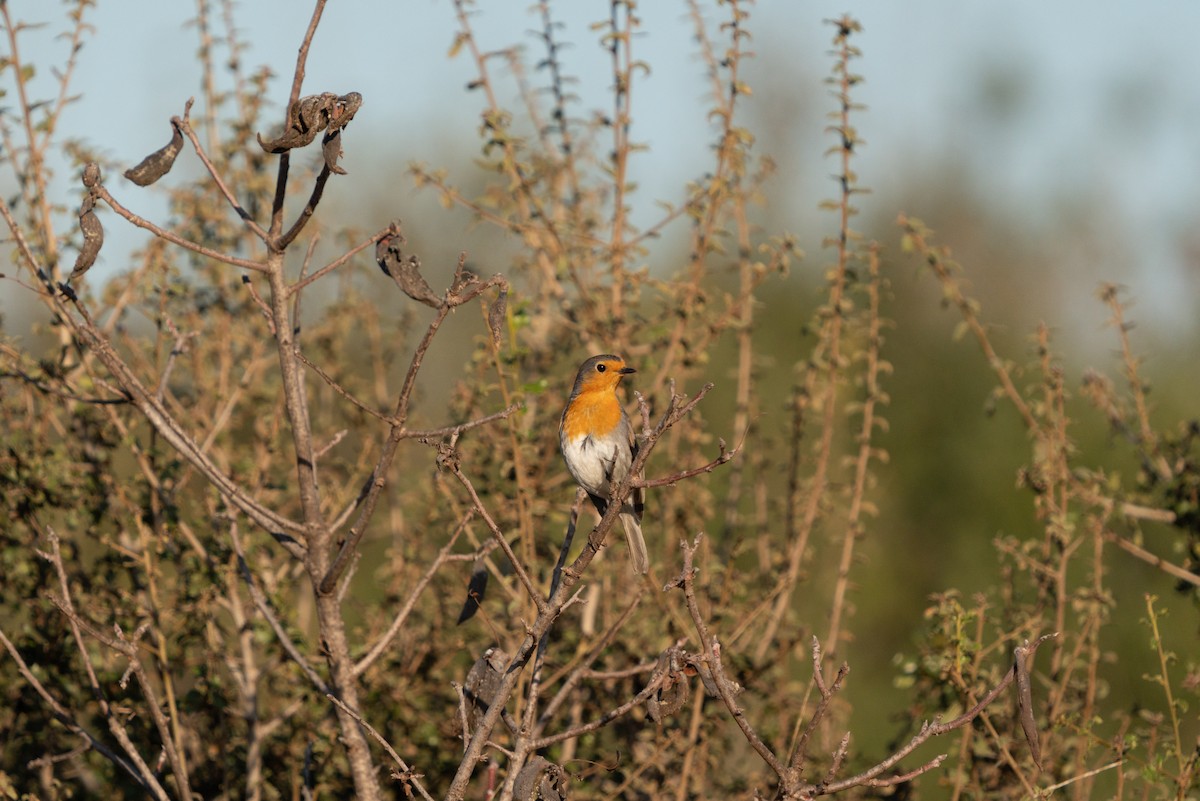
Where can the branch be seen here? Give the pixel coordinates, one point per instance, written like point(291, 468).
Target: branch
point(1149, 558)
point(293, 96)
point(461, 291)
point(102, 192)
point(444, 555)
point(276, 525)
point(63, 716)
point(129, 650)
point(307, 212)
point(454, 430)
point(264, 608)
point(652, 686)
point(185, 124)
point(405, 774)
point(929, 730)
point(712, 656)
point(448, 458)
point(675, 478)
point(827, 691)
point(342, 259)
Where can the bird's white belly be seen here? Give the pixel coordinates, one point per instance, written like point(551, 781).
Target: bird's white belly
point(596, 464)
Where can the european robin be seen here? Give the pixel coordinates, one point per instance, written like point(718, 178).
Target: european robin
point(598, 445)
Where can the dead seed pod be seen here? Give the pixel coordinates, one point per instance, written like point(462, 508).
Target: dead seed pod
point(405, 271)
point(498, 315)
point(331, 151)
point(93, 236)
point(91, 175)
point(483, 683)
point(542, 780)
point(311, 115)
point(158, 163)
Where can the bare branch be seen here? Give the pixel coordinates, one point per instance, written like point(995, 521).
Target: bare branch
point(141, 222)
point(185, 124)
point(444, 555)
point(405, 774)
point(129, 650)
point(712, 657)
point(675, 478)
point(264, 608)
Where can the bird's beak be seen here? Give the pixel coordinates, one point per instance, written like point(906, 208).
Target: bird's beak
point(626, 370)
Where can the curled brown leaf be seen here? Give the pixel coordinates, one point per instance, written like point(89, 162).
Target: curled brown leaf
point(476, 589)
point(331, 151)
point(93, 237)
point(91, 174)
point(483, 681)
point(542, 780)
point(497, 314)
point(158, 163)
point(311, 115)
point(404, 270)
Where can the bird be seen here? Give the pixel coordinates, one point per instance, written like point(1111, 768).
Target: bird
point(598, 445)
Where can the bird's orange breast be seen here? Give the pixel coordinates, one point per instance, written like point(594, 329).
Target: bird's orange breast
point(595, 413)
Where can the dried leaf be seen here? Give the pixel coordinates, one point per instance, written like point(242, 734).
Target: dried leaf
point(344, 110)
point(672, 697)
point(541, 780)
point(483, 682)
point(158, 163)
point(476, 588)
point(93, 238)
point(497, 314)
point(91, 174)
point(405, 271)
point(653, 711)
point(311, 115)
point(307, 117)
point(331, 151)
point(1025, 705)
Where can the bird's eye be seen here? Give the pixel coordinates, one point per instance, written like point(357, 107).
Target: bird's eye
point(600, 368)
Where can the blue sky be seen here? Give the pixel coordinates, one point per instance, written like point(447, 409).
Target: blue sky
point(1099, 101)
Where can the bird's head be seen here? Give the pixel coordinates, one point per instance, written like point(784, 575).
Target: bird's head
point(601, 372)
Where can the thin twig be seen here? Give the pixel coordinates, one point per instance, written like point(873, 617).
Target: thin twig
point(185, 124)
point(1149, 558)
point(443, 556)
point(307, 212)
point(930, 730)
point(712, 657)
point(264, 608)
point(460, 292)
point(500, 539)
point(431, 434)
point(406, 774)
point(683, 475)
point(162, 233)
point(653, 684)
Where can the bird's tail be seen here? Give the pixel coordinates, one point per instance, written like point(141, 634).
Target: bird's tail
point(638, 557)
